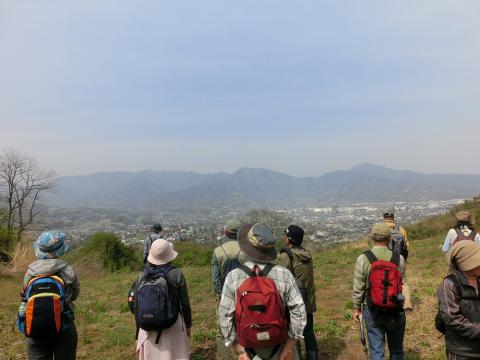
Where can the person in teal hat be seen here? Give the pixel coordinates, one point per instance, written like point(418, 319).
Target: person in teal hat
point(49, 246)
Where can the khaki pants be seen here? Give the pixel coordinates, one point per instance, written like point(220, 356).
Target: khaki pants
point(408, 297)
point(222, 352)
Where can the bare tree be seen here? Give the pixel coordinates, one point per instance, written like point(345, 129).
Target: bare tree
point(22, 182)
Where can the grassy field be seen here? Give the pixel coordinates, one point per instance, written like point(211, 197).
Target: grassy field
point(106, 327)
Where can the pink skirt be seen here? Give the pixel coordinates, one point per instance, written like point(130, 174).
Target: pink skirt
point(173, 343)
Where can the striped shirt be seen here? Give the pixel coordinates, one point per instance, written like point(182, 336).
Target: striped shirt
point(287, 289)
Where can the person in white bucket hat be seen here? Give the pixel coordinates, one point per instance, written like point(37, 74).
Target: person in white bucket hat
point(171, 343)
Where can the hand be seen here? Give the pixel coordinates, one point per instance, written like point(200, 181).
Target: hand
point(243, 356)
point(189, 332)
point(356, 315)
point(286, 354)
point(288, 349)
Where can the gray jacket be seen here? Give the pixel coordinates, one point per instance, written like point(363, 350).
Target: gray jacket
point(147, 244)
point(459, 308)
point(59, 267)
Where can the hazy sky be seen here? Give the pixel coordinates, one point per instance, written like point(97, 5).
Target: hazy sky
point(299, 87)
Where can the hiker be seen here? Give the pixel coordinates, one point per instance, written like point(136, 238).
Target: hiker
point(399, 243)
point(459, 303)
point(225, 258)
point(38, 313)
point(163, 321)
point(275, 291)
point(299, 261)
point(463, 230)
point(377, 300)
point(156, 229)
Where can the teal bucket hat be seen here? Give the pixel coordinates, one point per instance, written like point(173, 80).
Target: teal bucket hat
point(50, 244)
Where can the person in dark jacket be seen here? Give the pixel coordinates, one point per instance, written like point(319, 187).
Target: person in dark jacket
point(299, 261)
point(155, 235)
point(173, 342)
point(48, 247)
point(459, 302)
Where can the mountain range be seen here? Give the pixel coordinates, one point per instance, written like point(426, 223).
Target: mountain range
point(249, 187)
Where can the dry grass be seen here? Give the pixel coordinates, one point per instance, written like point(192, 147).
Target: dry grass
point(106, 328)
point(22, 255)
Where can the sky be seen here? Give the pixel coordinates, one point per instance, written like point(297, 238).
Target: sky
point(211, 86)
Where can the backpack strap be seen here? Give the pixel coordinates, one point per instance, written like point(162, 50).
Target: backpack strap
point(252, 273)
point(370, 256)
point(157, 339)
point(221, 246)
point(266, 269)
point(247, 271)
point(395, 259)
point(458, 231)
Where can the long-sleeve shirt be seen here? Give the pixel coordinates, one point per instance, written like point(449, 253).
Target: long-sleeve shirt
point(147, 244)
point(459, 308)
point(452, 235)
point(362, 272)
point(287, 289)
point(230, 250)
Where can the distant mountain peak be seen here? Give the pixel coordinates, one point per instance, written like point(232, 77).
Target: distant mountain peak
point(366, 166)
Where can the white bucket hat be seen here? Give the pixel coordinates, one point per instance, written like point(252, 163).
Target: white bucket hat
point(161, 252)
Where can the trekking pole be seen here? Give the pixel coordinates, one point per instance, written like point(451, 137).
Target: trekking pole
point(363, 338)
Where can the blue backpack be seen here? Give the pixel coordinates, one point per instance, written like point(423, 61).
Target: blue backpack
point(155, 307)
point(43, 313)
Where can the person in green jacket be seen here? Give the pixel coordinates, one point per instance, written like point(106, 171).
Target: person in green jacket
point(225, 257)
point(299, 261)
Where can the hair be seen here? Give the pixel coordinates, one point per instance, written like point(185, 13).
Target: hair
point(231, 235)
point(295, 242)
point(464, 223)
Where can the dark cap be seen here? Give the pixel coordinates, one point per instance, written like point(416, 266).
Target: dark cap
point(157, 227)
point(294, 234)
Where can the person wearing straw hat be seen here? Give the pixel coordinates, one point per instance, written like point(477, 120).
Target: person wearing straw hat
point(172, 343)
point(48, 247)
point(463, 230)
point(258, 243)
point(459, 303)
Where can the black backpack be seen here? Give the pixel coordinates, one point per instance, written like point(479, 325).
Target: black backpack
point(229, 265)
point(397, 243)
point(156, 308)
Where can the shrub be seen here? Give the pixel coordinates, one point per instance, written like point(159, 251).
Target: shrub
point(192, 254)
point(114, 254)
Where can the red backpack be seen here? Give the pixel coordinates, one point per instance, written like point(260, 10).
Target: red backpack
point(260, 315)
point(384, 287)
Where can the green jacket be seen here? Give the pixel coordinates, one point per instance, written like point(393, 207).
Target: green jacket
point(219, 257)
point(301, 266)
point(362, 272)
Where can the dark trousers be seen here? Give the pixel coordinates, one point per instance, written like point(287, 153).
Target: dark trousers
point(452, 356)
point(311, 347)
point(62, 347)
point(381, 324)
